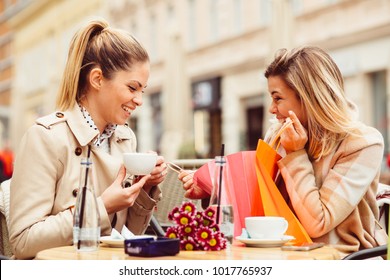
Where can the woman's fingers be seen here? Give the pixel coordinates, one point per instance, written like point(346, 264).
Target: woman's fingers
point(121, 175)
point(140, 182)
point(294, 137)
point(296, 123)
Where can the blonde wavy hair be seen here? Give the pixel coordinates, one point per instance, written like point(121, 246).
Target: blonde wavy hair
point(317, 81)
point(96, 45)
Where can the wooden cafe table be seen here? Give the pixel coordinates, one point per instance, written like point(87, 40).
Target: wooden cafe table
point(237, 251)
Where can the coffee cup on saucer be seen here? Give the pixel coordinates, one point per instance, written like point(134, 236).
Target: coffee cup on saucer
point(266, 227)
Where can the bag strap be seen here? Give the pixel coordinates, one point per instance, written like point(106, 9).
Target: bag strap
point(275, 143)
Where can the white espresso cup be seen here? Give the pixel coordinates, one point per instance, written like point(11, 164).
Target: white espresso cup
point(266, 227)
point(139, 163)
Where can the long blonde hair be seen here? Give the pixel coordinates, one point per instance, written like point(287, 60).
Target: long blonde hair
point(96, 45)
point(312, 74)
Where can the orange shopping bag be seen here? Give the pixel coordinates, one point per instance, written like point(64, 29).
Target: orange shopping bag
point(273, 202)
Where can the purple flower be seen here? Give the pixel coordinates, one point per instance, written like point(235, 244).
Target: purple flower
point(213, 244)
point(188, 229)
point(195, 229)
point(188, 245)
point(172, 232)
point(188, 207)
point(209, 213)
point(183, 219)
point(174, 212)
point(203, 234)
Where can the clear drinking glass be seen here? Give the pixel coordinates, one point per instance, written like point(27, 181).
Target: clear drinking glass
point(86, 218)
point(220, 199)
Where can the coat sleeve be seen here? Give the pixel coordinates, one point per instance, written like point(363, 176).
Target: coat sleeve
point(33, 227)
point(324, 196)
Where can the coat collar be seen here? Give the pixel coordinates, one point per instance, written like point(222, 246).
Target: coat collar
point(85, 134)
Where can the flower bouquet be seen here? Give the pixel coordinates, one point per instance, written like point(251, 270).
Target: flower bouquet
point(196, 230)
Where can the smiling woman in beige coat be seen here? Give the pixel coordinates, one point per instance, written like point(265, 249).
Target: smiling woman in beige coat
point(103, 82)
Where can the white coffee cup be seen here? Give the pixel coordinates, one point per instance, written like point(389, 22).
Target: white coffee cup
point(139, 163)
point(266, 227)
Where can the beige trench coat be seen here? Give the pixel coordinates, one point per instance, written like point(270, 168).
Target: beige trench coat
point(46, 180)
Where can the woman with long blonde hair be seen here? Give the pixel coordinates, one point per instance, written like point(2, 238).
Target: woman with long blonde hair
point(331, 162)
point(103, 83)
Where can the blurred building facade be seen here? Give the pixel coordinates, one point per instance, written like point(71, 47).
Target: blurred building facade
point(8, 9)
point(207, 62)
point(42, 33)
point(227, 45)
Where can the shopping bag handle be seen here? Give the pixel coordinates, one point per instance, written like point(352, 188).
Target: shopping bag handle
point(276, 141)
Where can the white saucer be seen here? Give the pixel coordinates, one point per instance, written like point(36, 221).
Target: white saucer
point(112, 242)
point(120, 243)
point(265, 243)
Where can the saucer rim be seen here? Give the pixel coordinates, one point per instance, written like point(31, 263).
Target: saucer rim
point(279, 239)
point(113, 242)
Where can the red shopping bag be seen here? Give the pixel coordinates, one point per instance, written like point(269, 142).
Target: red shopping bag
point(241, 182)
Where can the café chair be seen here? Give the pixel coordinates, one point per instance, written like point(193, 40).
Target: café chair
point(379, 251)
point(383, 201)
point(5, 247)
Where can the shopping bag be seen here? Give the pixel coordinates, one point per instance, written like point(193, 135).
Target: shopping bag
point(241, 182)
point(252, 189)
point(273, 202)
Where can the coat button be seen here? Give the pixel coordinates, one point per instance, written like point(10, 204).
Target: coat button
point(78, 151)
point(75, 191)
point(59, 115)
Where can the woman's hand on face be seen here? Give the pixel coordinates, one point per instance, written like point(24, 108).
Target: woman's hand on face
point(158, 174)
point(192, 190)
point(294, 137)
point(116, 198)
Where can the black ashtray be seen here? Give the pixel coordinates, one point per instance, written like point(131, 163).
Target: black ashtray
point(150, 247)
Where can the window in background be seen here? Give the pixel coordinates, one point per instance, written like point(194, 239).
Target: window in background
point(201, 132)
point(207, 117)
point(254, 118)
point(252, 128)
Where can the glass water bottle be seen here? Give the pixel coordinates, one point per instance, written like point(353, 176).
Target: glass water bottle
point(86, 218)
point(220, 201)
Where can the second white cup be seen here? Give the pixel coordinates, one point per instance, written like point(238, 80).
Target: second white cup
point(266, 227)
